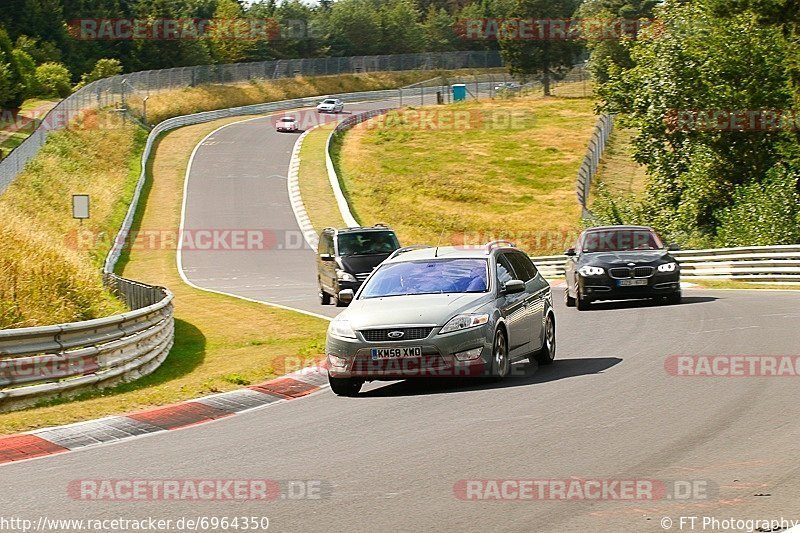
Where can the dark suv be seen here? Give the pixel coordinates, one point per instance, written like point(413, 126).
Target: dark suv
point(347, 256)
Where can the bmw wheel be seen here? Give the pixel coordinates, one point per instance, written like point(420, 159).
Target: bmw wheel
point(547, 354)
point(500, 361)
point(581, 302)
point(324, 297)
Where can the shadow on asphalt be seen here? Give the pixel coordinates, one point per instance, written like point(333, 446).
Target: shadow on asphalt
point(522, 374)
point(634, 304)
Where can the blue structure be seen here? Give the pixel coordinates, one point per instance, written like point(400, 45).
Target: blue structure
point(459, 92)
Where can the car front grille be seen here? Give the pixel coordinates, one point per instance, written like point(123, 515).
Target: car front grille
point(635, 272)
point(362, 277)
point(409, 334)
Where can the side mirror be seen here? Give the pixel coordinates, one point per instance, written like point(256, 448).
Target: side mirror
point(346, 296)
point(673, 247)
point(326, 257)
point(514, 286)
point(570, 252)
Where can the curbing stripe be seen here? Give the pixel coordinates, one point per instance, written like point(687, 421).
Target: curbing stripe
point(288, 387)
point(112, 429)
point(180, 415)
point(26, 446)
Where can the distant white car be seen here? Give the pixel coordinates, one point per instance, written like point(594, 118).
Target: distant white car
point(287, 124)
point(508, 86)
point(330, 105)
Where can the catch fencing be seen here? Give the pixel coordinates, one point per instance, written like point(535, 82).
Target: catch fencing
point(118, 90)
point(594, 152)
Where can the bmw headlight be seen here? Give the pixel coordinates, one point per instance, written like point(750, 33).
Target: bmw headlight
point(667, 267)
point(464, 321)
point(341, 275)
point(341, 328)
point(591, 271)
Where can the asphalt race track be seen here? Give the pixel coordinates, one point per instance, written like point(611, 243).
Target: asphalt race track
point(607, 410)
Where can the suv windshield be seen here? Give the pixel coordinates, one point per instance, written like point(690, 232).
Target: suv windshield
point(368, 242)
point(621, 240)
point(428, 277)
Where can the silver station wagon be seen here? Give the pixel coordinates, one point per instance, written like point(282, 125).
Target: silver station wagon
point(442, 312)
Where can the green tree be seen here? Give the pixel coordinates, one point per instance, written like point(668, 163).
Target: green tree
point(54, 80)
point(104, 68)
point(354, 28)
point(230, 37)
point(401, 30)
point(12, 88)
point(701, 61)
point(26, 67)
point(548, 58)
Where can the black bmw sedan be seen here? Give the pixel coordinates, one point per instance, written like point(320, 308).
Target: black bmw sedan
point(620, 263)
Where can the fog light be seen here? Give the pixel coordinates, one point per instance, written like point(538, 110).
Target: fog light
point(469, 354)
point(337, 361)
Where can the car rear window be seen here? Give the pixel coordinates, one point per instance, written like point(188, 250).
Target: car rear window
point(437, 276)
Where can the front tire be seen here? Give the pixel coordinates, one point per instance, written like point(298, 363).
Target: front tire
point(581, 303)
point(674, 298)
point(547, 354)
point(501, 364)
point(324, 297)
point(345, 386)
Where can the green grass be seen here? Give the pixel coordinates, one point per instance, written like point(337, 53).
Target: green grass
point(736, 284)
point(506, 172)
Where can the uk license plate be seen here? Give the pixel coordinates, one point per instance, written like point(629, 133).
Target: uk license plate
point(632, 282)
point(396, 353)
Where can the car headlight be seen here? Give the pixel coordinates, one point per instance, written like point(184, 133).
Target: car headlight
point(341, 275)
point(591, 271)
point(341, 328)
point(464, 321)
point(667, 267)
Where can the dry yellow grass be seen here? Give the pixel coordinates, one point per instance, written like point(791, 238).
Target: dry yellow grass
point(49, 263)
point(509, 174)
point(215, 349)
point(166, 104)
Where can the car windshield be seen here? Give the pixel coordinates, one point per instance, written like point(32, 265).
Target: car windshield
point(368, 242)
point(329, 101)
point(428, 277)
point(621, 240)
point(287, 120)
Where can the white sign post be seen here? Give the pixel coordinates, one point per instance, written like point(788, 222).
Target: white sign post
point(80, 206)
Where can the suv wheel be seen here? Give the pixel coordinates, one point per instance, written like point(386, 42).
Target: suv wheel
point(569, 301)
point(345, 386)
point(581, 303)
point(324, 297)
point(500, 361)
point(546, 355)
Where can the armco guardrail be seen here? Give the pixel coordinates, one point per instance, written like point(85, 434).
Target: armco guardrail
point(122, 89)
point(773, 264)
point(597, 145)
point(54, 360)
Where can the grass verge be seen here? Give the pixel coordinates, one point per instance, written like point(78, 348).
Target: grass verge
point(215, 348)
point(315, 187)
point(472, 172)
point(736, 284)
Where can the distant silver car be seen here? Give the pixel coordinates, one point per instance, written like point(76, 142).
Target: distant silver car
point(330, 105)
point(442, 312)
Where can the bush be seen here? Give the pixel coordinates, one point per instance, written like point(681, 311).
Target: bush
point(763, 213)
point(27, 70)
point(54, 80)
point(104, 68)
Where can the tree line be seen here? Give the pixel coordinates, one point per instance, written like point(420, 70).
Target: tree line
point(712, 91)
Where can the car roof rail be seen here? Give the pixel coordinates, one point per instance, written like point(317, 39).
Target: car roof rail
point(328, 228)
point(405, 249)
point(380, 225)
point(499, 244)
